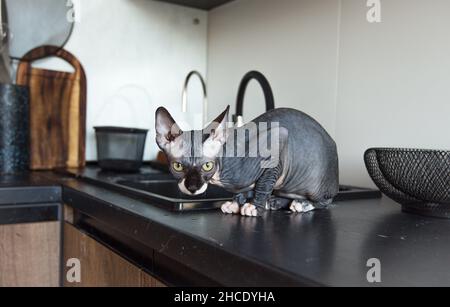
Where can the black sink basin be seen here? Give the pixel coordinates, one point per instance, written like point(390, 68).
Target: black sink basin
point(169, 189)
point(166, 193)
point(160, 189)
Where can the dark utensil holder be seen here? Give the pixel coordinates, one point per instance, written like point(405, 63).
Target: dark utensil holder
point(14, 128)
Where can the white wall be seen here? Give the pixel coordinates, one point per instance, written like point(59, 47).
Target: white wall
point(292, 42)
point(370, 85)
point(394, 80)
point(384, 84)
point(136, 54)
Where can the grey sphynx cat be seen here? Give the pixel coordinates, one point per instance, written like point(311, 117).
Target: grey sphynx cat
point(300, 173)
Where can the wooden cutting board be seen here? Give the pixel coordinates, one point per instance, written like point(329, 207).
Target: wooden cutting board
point(57, 110)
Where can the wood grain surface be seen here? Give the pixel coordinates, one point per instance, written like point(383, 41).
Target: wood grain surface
point(29, 255)
point(57, 110)
point(100, 267)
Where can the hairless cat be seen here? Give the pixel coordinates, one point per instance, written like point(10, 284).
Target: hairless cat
point(282, 159)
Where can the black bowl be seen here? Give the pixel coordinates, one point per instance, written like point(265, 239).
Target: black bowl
point(417, 179)
point(120, 149)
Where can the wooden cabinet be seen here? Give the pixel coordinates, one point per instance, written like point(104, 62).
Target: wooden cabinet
point(99, 266)
point(30, 255)
point(148, 281)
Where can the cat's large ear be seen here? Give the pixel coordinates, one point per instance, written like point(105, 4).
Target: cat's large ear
point(167, 130)
point(217, 134)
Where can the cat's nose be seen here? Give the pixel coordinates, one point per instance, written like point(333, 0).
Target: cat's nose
point(192, 188)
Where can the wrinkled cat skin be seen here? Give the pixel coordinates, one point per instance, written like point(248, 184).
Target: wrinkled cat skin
point(303, 177)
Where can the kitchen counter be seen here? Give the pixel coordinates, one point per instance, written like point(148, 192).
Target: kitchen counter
point(323, 248)
point(29, 198)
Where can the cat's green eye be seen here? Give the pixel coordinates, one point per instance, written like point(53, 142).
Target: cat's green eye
point(209, 166)
point(178, 167)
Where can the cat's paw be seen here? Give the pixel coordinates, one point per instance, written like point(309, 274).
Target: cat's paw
point(301, 206)
point(277, 203)
point(230, 207)
point(249, 210)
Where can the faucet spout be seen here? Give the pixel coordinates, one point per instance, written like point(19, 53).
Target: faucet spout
point(238, 119)
point(185, 93)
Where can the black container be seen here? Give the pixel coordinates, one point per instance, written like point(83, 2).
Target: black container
point(120, 149)
point(14, 129)
point(417, 179)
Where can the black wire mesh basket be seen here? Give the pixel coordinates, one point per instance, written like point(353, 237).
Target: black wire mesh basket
point(417, 179)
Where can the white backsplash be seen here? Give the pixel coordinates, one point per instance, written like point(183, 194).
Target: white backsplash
point(136, 55)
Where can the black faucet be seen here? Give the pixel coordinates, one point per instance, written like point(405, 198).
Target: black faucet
point(238, 119)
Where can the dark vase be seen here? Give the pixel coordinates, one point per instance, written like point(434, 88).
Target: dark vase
point(14, 128)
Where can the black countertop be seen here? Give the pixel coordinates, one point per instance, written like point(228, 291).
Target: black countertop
point(322, 248)
point(29, 197)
